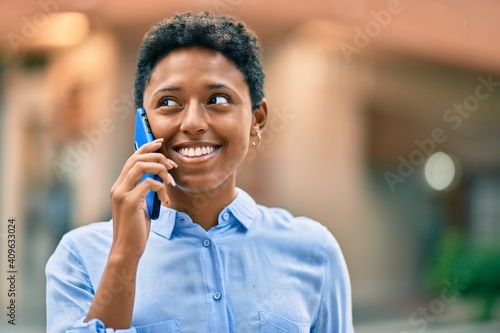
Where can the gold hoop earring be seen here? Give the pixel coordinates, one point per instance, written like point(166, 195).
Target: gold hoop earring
point(256, 145)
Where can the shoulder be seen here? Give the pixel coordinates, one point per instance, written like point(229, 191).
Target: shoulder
point(94, 233)
point(89, 241)
point(282, 218)
point(303, 229)
point(82, 251)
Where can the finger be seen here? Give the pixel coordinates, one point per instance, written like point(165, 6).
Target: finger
point(140, 169)
point(150, 147)
point(155, 157)
point(166, 177)
point(156, 169)
point(136, 197)
point(150, 184)
point(142, 153)
point(137, 155)
point(131, 175)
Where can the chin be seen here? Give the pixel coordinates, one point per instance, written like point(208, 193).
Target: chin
point(202, 185)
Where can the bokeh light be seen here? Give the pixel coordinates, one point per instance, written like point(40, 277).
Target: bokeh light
point(440, 171)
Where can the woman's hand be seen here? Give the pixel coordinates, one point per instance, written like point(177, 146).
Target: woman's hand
point(131, 222)
point(113, 302)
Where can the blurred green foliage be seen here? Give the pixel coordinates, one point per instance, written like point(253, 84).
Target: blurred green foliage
point(474, 265)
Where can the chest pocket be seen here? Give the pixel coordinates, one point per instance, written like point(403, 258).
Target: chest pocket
point(169, 326)
point(272, 323)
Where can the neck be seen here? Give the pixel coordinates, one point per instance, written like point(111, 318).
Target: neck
point(203, 207)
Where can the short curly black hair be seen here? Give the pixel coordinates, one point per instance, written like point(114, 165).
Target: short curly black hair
point(219, 33)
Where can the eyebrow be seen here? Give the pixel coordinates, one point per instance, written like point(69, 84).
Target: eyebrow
point(172, 88)
point(212, 86)
point(217, 86)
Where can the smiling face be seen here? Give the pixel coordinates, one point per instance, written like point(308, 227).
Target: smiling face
point(199, 102)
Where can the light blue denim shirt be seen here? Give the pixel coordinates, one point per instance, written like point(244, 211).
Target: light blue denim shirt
point(259, 270)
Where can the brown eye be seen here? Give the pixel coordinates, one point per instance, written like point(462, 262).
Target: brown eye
point(218, 100)
point(168, 102)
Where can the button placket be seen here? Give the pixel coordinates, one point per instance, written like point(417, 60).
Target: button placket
point(213, 274)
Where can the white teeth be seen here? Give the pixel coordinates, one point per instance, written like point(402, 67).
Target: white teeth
point(195, 152)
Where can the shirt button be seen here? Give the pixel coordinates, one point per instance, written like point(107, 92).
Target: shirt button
point(225, 216)
point(217, 296)
point(206, 243)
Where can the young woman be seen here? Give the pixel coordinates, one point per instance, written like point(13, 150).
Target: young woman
point(214, 261)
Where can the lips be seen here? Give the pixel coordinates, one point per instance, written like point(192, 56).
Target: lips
point(196, 151)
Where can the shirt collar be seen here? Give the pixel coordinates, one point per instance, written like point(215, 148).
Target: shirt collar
point(243, 208)
point(164, 225)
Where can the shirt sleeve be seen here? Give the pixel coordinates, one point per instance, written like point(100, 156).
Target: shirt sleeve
point(335, 310)
point(70, 293)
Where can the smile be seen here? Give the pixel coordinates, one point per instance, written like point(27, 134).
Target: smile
point(197, 151)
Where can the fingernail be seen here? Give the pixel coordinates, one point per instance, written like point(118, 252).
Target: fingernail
point(173, 163)
point(158, 140)
point(172, 181)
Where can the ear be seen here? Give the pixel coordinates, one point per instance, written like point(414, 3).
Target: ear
point(259, 118)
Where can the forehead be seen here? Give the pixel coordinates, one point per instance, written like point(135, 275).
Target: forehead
point(195, 64)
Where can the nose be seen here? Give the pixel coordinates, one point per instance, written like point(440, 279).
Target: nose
point(194, 119)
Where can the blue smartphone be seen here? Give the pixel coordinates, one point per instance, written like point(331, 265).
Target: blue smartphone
point(143, 135)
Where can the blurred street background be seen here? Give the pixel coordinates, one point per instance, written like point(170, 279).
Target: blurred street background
point(385, 127)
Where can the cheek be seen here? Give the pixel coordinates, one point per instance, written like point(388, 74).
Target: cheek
point(242, 144)
point(161, 127)
point(240, 137)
